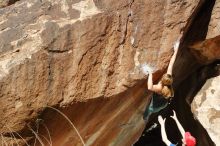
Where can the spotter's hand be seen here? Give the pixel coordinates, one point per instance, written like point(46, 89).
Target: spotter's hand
point(161, 120)
point(174, 115)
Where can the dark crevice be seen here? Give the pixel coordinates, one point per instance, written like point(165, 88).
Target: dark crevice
point(186, 63)
point(57, 51)
point(189, 77)
point(12, 2)
point(198, 79)
point(184, 96)
point(8, 3)
point(199, 27)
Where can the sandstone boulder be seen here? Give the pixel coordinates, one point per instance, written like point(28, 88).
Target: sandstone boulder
point(68, 52)
point(207, 51)
point(206, 108)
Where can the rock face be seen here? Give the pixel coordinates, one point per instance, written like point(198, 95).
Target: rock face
point(214, 25)
point(207, 51)
point(3, 3)
point(86, 55)
point(206, 108)
point(205, 105)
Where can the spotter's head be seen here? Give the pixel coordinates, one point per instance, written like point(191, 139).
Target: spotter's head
point(189, 139)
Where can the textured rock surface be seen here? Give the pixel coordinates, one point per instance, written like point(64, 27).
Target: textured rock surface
point(60, 52)
point(3, 3)
point(214, 25)
point(207, 51)
point(206, 108)
point(100, 121)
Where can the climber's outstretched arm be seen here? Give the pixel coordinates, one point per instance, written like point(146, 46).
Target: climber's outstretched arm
point(173, 58)
point(155, 88)
point(180, 127)
point(163, 131)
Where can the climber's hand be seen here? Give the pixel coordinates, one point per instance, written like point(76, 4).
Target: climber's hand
point(147, 69)
point(174, 115)
point(161, 120)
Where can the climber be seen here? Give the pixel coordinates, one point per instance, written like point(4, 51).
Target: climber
point(163, 91)
point(188, 139)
